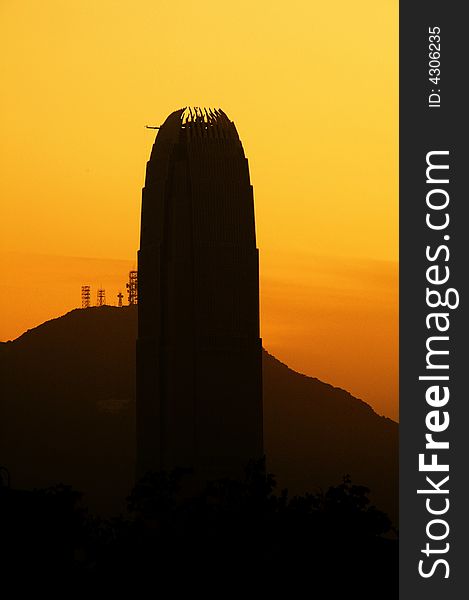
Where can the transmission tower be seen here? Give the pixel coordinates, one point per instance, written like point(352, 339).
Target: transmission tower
point(120, 295)
point(101, 299)
point(85, 296)
point(132, 287)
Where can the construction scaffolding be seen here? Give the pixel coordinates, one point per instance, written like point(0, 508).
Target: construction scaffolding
point(85, 296)
point(132, 288)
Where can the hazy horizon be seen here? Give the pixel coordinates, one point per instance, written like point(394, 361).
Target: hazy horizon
point(303, 341)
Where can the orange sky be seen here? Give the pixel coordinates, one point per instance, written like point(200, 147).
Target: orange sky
point(312, 88)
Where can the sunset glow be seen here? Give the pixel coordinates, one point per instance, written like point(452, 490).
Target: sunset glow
point(313, 91)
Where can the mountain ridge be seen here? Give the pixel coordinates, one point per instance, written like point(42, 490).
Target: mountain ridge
point(69, 412)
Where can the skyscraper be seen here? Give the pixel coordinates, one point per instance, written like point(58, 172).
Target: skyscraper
point(199, 369)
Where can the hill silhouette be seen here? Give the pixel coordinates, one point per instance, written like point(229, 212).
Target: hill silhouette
point(67, 415)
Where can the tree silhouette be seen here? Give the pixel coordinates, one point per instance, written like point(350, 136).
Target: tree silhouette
point(229, 531)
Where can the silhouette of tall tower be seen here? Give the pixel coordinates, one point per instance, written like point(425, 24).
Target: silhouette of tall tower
point(199, 369)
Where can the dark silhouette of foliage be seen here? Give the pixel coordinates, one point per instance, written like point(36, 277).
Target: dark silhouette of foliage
point(232, 531)
point(41, 528)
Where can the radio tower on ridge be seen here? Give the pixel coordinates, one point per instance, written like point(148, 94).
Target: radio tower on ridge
point(101, 299)
point(132, 287)
point(85, 296)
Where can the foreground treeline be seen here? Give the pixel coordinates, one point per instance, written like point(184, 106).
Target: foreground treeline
point(234, 531)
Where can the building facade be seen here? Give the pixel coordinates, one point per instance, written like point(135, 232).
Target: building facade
point(199, 354)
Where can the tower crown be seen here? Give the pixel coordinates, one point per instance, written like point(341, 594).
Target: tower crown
point(207, 115)
point(196, 122)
